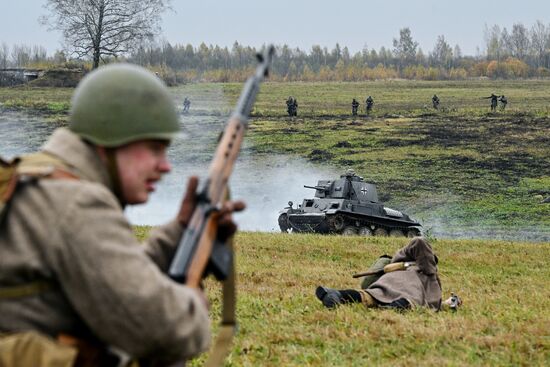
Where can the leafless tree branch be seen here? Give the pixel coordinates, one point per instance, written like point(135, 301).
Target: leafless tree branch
point(99, 28)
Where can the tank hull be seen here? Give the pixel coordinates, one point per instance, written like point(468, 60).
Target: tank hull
point(347, 205)
point(368, 219)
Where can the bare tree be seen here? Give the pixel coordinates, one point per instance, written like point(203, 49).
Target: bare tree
point(457, 52)
point(100, 28)
point(442, 54)
point(405, 47)
point(4, 55)
point(540, 35)
point(520, 41)
point(506, 44)
point(39, 54)
point(20, 55)
point(493, 42)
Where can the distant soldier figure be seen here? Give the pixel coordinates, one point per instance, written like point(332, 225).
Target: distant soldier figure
point(186, 105)
point(354, 107)
point(295, 107)
point(435, 101)
point(369, 102)
point(503, 102)
point(289, 105)
point(494, 100)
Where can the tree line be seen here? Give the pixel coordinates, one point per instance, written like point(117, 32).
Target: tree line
point(517, 53)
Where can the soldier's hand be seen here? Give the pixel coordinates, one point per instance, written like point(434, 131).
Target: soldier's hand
point(226, 225)
point(189, 201)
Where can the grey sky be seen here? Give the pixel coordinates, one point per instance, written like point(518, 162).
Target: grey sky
point(351, 23)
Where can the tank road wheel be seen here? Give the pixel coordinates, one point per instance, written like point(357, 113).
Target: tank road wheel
point(365, 231)
point(413, 233)
point(396, 233)
point(381, 232)
point(336, 222)
point(283, 223)
point(349, 231)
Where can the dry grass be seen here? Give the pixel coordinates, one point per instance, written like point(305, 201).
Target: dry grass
point(504, 321)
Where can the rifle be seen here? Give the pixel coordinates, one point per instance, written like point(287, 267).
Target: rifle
point(387, 269)
point(199, 253)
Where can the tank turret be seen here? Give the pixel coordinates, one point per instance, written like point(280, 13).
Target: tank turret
point(347, 205)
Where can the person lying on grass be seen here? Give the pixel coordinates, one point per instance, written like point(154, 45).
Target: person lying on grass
point(407, 280)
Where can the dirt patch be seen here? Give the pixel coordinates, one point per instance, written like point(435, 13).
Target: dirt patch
point(349, 162)
point(58, 78)
point(337, 126)
point(319, 155)
point(400, 142)
point(291, 130)
point(343, 144)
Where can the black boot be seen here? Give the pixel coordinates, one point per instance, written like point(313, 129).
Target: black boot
point(330, 297)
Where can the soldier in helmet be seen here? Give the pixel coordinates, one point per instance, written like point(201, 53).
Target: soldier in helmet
point(354, 107)
point(290, 106)
point(503, 102)
point(75, 280)
point(350, 172)
point(369, 102)
point(494, 101)
point(407, 280)
point(435, 101)
point(186, 105)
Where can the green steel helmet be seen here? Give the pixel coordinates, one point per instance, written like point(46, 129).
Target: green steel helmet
point(122, 103)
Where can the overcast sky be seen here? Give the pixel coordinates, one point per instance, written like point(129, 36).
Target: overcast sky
point(352, 23)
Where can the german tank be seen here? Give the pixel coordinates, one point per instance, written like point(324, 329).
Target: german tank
point(348, 206)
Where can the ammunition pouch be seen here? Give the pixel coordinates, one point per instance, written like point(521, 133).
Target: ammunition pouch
point(31, 166)
point(31, 348)
point(34, 349)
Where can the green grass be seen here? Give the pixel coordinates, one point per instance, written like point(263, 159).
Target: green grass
point(480, 175)
point(465, 171)
point(503, 322)
point(52, 102)
point(462, 171)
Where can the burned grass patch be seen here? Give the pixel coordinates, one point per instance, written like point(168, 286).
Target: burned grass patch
point(320, 155)
point(343, 144)
point(347, 162)
point(401, 142)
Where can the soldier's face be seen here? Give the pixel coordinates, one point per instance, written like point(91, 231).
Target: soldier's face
point(140, 166)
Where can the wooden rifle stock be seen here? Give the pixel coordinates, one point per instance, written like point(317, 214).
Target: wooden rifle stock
point(387, 269)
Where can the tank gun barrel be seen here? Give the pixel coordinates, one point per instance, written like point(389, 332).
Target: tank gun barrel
point(316, 187)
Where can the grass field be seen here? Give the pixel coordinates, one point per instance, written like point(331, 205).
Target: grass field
point(462, 171)
point(504, 320)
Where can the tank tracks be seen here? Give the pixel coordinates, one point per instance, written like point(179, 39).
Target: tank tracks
point(354, 227)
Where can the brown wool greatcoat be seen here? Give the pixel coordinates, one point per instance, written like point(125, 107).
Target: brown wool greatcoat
point(419, 284)
point(73, 234)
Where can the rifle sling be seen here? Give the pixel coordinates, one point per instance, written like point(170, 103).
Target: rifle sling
point(228, 325)
point(25, 290)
